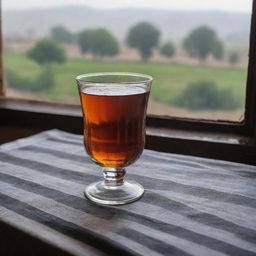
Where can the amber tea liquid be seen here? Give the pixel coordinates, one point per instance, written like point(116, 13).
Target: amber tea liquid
point(114, 123)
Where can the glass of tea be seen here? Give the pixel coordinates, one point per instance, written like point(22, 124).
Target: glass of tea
point(114, 111)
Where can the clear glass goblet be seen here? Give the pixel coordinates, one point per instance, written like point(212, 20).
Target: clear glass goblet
point(114, 112)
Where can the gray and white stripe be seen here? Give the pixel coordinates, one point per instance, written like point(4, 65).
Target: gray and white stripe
point(192, 206)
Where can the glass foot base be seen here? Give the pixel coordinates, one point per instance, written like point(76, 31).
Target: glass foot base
point(125, 193)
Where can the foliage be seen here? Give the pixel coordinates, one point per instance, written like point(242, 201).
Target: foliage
point(86, 40)
point(45, 79)
point(206, 95)
point(61, 34)
point(43, 82)
point(47, 51)
point(98, 42)
point(170, 80)
point(16, 81)
point(144, 37)
point(233, 58)
point(218, 50)
point(203, 41)
point(167, 49)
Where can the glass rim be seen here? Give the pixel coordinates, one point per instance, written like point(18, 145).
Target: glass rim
point(145, 78)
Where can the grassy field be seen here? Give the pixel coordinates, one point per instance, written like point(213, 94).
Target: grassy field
point(169, 80)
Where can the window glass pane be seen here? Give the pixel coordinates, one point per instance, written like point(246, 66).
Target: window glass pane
point(197, 51)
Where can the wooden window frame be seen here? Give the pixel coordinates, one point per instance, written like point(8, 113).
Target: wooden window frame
point(169, 134)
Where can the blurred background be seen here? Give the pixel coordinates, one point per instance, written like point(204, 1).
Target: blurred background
point(197, 51)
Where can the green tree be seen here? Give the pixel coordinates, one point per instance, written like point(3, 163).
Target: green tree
point(144, 37)
point(218, 50)
point(233, 58)
point(19, 82)
point(203, 41)
point(205, 95)
point(43, 82)
point(167, 49)
point(85, 40)
point(45, 79)
point(99, 42)
point(61, 34)
point(47, 51)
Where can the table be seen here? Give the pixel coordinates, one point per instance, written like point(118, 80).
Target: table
point(192, 206)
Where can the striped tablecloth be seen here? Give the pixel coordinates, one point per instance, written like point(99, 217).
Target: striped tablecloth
point(192, 206)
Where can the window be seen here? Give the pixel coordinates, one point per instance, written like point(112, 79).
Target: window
point(190, 81)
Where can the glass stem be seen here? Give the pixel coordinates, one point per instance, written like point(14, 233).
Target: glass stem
point(114, 176)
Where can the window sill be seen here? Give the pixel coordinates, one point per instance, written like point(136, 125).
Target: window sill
point(39, 116)
point(223, 146)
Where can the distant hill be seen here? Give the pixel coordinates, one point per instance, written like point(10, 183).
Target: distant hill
point(173, 24)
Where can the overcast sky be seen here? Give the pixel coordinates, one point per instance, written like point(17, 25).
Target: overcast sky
point(226, 5)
